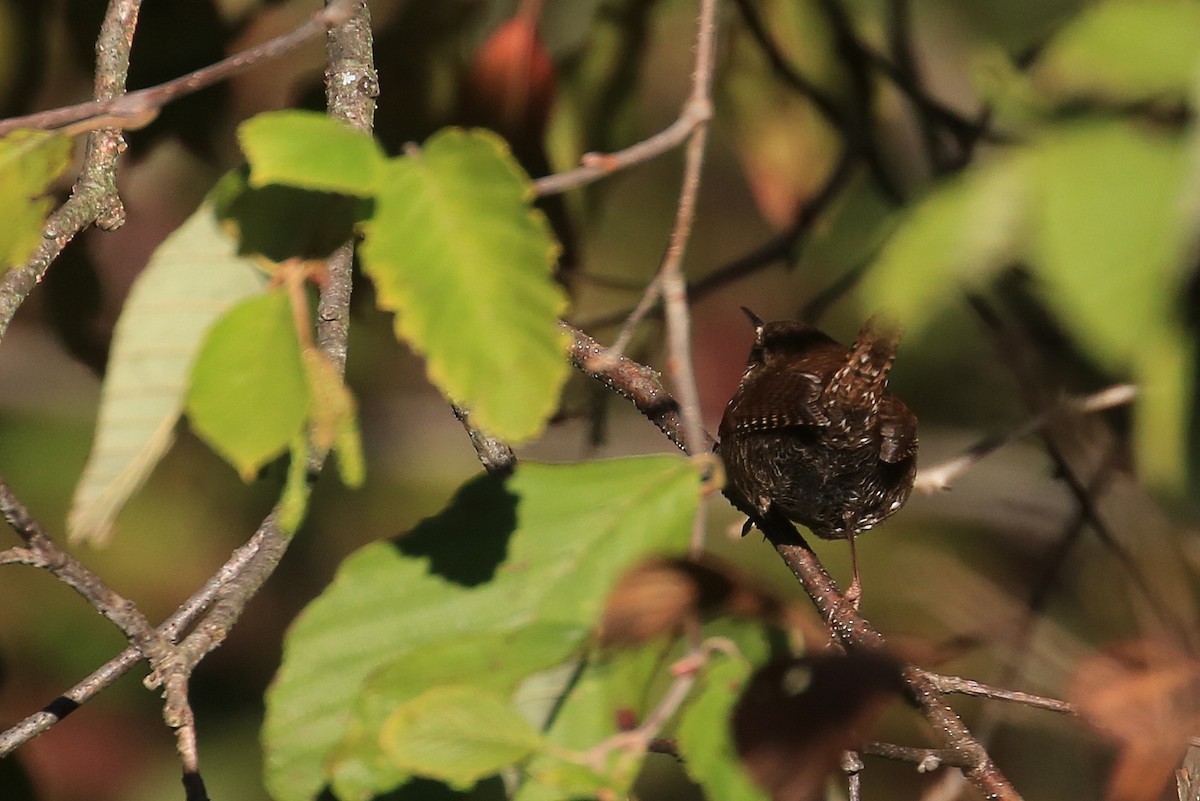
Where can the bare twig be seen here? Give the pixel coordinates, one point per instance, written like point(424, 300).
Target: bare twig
point(594, 166)
point(940, 476)
point(116, 110)
point(497, 457)
point(635, 382)
point(41, 551)
point(671, 281)
point(118, 666)
point(223, 597)
point(855, 632)
point(783, 248)
point(953, 684)
point(927, 760)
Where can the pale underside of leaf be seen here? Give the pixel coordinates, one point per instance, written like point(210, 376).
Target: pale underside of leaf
point(192, 278)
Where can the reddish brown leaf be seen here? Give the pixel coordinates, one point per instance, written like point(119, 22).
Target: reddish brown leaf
point(510, 83)
point(663, 595)
point(797, 716)
point(1145, 697)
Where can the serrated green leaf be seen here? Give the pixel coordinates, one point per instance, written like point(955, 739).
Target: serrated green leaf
point(334, 416)
point(1125, 51)
point(455, 249)
point(192, 278)
point(705, 738)
point(29, 163)
point(457, 734)
point(310, 151)
point(249, 395)
point(961, 232)
point(493, 661)
point(566, 534)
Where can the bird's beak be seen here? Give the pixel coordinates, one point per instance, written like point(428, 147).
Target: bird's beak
point(757, 322)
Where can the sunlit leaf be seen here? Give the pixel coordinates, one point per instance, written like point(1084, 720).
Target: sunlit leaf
point(249, 395)
point(960, 233)
point(193, 277)
point(545, 547)
point(310, 151)
point(1125, 51)
point(455, 249)
point(488, 660)
point(458, 734)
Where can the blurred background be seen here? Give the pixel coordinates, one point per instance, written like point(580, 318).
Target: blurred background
point(951, 576)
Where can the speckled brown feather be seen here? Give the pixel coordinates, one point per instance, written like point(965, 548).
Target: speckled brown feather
point(813, 433)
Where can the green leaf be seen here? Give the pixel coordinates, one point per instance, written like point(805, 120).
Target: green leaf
point(1109, 236)
point(458, 734)
point(705, 738)
point(29, 163)
point(334, 416)
point(620, 681)
point(961, 232)
point(493, 661)
point(545, 547)
point(381, 605)
point(249, 395)
point(192, 278)
point(1126, 52)
point(284, 222)
point(457, 251)
point(1111, 245)
point(310, 151)
point(1100, 210)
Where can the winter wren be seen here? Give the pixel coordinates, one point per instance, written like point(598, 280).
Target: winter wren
point(813, 433)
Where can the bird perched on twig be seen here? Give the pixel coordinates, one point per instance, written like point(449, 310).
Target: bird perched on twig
point(813, 434)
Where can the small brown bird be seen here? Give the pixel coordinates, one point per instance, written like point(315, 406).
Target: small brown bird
point(813, 434)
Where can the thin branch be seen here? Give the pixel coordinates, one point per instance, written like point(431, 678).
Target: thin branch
point(784, 247)
point(1034, 389)
point(496, 456)
point(116, 110)
point(941, 476)
point(122, 663)
point(927, 760)
point(671, 280)
point(350, 53)
point(855, 632)
point(953, 684)
point(594, 166)
point(635, 382)
point(901, 35)
point(225, 594)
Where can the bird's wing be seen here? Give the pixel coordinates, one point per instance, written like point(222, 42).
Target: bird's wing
point(793, 400)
